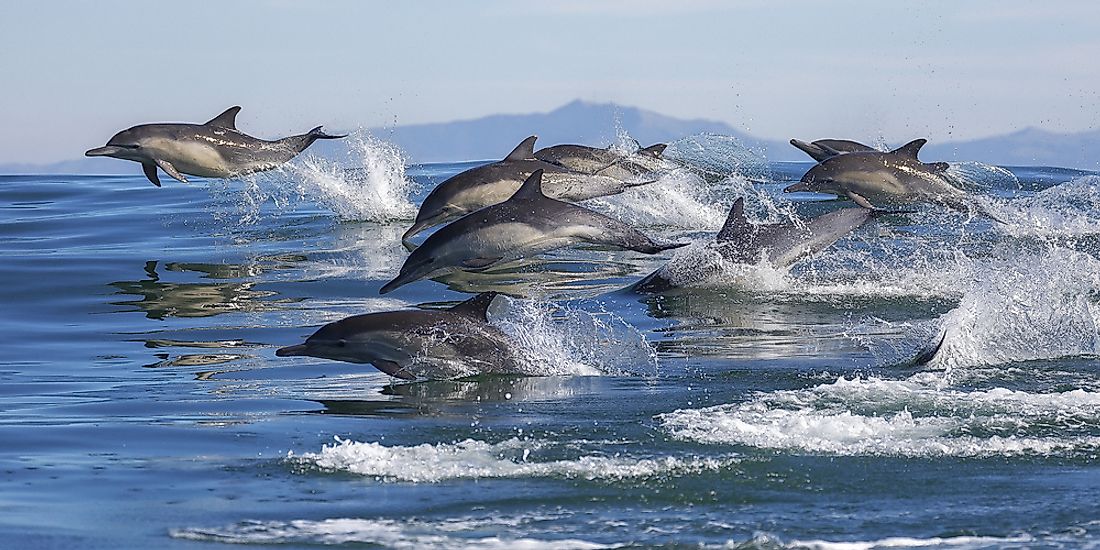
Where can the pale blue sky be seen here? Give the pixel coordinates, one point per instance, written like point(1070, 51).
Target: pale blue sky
point(76, 72)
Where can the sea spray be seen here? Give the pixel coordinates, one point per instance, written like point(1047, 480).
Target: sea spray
point(372, 186)
point(375, 187)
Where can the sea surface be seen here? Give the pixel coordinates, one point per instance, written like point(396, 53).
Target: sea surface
point(142, 405)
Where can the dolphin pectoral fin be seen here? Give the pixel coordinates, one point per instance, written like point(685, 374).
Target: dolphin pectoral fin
point(150, 170)
point(860, 200)
point(393, 369)
point(480, 263)
point(171, 170)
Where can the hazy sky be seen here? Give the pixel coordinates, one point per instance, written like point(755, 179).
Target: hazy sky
point(76, 72)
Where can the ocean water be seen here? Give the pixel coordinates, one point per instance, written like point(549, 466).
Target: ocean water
point(142, 405)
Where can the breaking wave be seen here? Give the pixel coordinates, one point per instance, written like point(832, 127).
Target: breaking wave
point(917, 417)
point(472, 459)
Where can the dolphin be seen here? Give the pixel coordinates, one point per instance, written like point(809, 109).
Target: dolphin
point(215, 149)
point(408, 343)
point(875, 178)
point(783, 244)
point(526, 224)
point(604, 162)
point(493, 183)
point(827, 148)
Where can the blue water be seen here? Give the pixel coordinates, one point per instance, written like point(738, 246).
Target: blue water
point(143, 406)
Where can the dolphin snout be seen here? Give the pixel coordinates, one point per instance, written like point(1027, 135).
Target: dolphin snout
point(800, 186)
point(106, 151)
point(291, 351)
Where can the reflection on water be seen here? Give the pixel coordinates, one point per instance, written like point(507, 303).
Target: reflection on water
point(549, 277)
point(438, 397)
point(745, 325)
point(194, 360)
point(160, 300)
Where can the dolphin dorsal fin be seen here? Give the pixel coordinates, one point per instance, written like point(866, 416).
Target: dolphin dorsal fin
point(531, 188)
point(654, 150)
point(525, 150)
point(227, 119)
point(910, 149)
point(476, 307)
point(735, 221)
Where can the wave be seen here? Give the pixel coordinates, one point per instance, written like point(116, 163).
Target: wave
point(915, 418)
point(409, 533)
point(472, 459)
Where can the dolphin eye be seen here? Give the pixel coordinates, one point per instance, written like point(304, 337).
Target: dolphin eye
point(130, 146)
point(342, 343)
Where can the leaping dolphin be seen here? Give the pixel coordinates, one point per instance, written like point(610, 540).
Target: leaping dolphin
point(782, 244)
point(526, 224)
point(877, 179)
point(604, 162)
point(215, 149)
point(493, 183)
point(416, 343)
point(827, 148)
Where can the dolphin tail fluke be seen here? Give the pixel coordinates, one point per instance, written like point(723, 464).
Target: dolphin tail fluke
point(654, 150)
point(654, 247)
point(318, 133)
point(652, 284)
point(929, 352)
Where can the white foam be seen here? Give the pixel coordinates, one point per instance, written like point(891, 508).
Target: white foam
point(909, 542)
point(406, 533)
point(375, 187)
point(915, 417)
point(1026, 307)
point(471, 459)
point(1068, 210)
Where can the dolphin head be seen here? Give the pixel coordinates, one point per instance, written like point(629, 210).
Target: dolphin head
point(127, 145)
point(436, 207)
point(821, 178)
point(341, 340)
point(421, 263)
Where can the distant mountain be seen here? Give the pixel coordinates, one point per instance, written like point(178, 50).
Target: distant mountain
point(492, 137)
point(577, 122)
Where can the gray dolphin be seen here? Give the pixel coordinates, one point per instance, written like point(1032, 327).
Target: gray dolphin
point(783, 244)
point(411, 343)
point(215, 149)
point(493, 183)
point(827, 148)
point(604, 162)
point(874, 178)
point(526, 224)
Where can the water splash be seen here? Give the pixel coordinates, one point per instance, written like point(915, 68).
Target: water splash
point(1036, 306)
point(375, 188)
point(1061, 212)
point(717, 157)
point(553, 340)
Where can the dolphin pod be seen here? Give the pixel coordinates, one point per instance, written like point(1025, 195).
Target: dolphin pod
point(215, 149)
point(520, 207)
point(493, 183)
point(526, 224)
